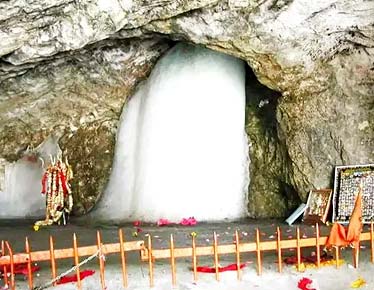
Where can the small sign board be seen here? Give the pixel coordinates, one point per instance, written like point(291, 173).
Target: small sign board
point(318, 206)
point(346, 187)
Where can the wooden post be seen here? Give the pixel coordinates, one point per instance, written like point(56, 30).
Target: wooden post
point(29, 262)
point(12, 282)
point(215, 250)
point(237, 249)
point(337, 256)
point(194, 258)
point(258, 252)
point(5, 270)
point(172, 262)
point(52, 258)
point(150, 262)
point(298, 250)
point(356, 254)
point(279, 250)
point(372, 241)
point(123, 258)
point(101, 260)
point(76, 261)
point(318, 248)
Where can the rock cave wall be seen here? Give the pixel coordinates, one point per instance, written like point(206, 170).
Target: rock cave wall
point(68, 67)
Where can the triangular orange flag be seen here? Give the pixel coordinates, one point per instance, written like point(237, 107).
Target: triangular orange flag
point(341, 237)
point(337, 237)
point(355, 222)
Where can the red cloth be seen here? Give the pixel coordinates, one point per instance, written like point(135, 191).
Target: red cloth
point(304, 284)
point(342, 237)
point(73, 278)
point(231, 267)
point(20, 269)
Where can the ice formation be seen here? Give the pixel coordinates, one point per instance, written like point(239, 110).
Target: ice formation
point(181, 146)
point(21, 195)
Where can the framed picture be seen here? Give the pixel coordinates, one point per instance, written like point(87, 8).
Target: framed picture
point(346, 186)
point(317, 206)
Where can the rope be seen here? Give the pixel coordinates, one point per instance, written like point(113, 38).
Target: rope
point(48, 284)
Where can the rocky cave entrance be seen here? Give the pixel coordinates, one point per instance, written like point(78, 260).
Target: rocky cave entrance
point(236, 119)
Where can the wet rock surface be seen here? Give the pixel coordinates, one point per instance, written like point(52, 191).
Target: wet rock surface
point(68, 66)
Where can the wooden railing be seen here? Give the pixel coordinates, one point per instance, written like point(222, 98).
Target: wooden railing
point(8, 260)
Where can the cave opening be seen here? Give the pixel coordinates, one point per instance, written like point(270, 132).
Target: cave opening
point(188, 144)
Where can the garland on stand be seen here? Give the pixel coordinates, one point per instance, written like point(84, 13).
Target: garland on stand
point(56, 187)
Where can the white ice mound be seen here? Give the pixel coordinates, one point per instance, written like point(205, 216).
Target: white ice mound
point(181, 146)
point(21, 196)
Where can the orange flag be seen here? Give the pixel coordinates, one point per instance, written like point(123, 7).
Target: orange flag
point(355, 222)
point(342, 237)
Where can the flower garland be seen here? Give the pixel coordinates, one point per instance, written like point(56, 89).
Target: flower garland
point(56, 187)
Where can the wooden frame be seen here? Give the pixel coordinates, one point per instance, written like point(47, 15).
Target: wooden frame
point(346, 186)
point(148, 253)
point(318, 206)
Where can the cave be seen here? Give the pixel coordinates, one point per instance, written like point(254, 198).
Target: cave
point(64, 86)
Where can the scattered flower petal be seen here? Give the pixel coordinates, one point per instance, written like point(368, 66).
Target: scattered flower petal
point(163, 222)
point(191, 221)
point(358, 283)
point(137, 223)
point(304, 284)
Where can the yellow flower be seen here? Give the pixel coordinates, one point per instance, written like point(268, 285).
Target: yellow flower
point(193, 234)
point(358, 283)
point(36, 228)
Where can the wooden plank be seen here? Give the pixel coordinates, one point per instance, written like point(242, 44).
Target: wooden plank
point(69, 253)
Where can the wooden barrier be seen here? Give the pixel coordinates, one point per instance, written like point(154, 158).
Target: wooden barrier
point(149, 254)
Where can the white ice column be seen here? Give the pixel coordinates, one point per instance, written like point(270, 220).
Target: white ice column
point(181, 146)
